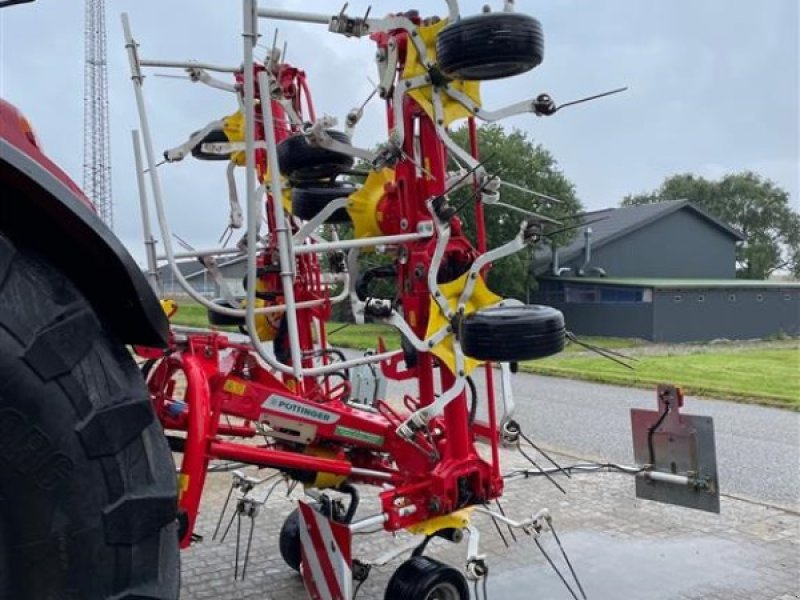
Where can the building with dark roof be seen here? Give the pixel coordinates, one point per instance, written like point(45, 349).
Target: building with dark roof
point(663, 272)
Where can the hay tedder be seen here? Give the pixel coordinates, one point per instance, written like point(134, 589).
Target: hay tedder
point(87, 491)
point(282, 397)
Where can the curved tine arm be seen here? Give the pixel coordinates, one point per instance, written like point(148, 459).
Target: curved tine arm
point(180, 152)
point(456, 180)
point(345, 293)
point(443, 229)
point(236, 218)
point(506, 393)
point(465, 157)
point(311, 226)
point(398, 133)
point(473, 544)
point(452, 10)
point(317, 136)
point(394, 22)
point(490, 116)
point(356, 305)
point(387, 69)
point(200, 75)
point(533, 525)
point(399, 323)
point(515, 245)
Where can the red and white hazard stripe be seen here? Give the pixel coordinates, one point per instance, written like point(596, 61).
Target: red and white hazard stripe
point(326, 559)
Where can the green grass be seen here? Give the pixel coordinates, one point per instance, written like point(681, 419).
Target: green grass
point(191, 315)
point(362, 336)
point(765, 376)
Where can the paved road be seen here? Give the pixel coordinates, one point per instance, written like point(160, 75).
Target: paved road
point(758, 448)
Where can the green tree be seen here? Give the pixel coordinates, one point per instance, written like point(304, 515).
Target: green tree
point(750, 203)
point(519, 161)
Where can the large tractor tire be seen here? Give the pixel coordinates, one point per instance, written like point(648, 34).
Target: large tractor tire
point(490, 46)
point(300, 161)
point(513, 333)
point(88, 493)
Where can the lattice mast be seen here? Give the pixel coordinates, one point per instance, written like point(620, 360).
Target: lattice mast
point(96, 138)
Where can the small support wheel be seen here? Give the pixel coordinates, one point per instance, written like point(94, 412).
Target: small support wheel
point(490, 46)
point(289, 541)
point(513, 333)
point(424, 578)
point(309, 200)
point(300, 161)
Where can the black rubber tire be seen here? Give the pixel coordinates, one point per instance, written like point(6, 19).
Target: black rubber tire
point(420, 576)
point(289, 541)
point(513, 333)
point(88, 493)
point(490, 46)
point(300, 161)
point(309, 200)
point(215, 136)
point(220, 320)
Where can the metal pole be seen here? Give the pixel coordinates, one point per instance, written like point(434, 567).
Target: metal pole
point(292, 15)
point(177, 64)
point(250, 35)
point(149, 240)
point(286, 255)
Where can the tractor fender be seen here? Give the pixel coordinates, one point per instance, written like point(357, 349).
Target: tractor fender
point(43, 210)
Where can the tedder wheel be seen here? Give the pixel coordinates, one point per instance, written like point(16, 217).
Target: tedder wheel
point(300, 161)
point(88, 493)
point(490, 46)
point(215, 136)
point(289, 540)
point(309, 200)
point(513, 333)
point(424, 578)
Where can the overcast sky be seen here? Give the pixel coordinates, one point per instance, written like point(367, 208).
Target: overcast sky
point(713, 89)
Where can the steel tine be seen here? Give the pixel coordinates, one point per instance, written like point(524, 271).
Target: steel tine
point(238, 539)
point(541, 470)
point(499, 531)
point(555, 568)
point(566, 558)
point(228, 528)
point(543, 453)
point(222, 513)
point(249, 545)
point(503, 512)
point(272, 489)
